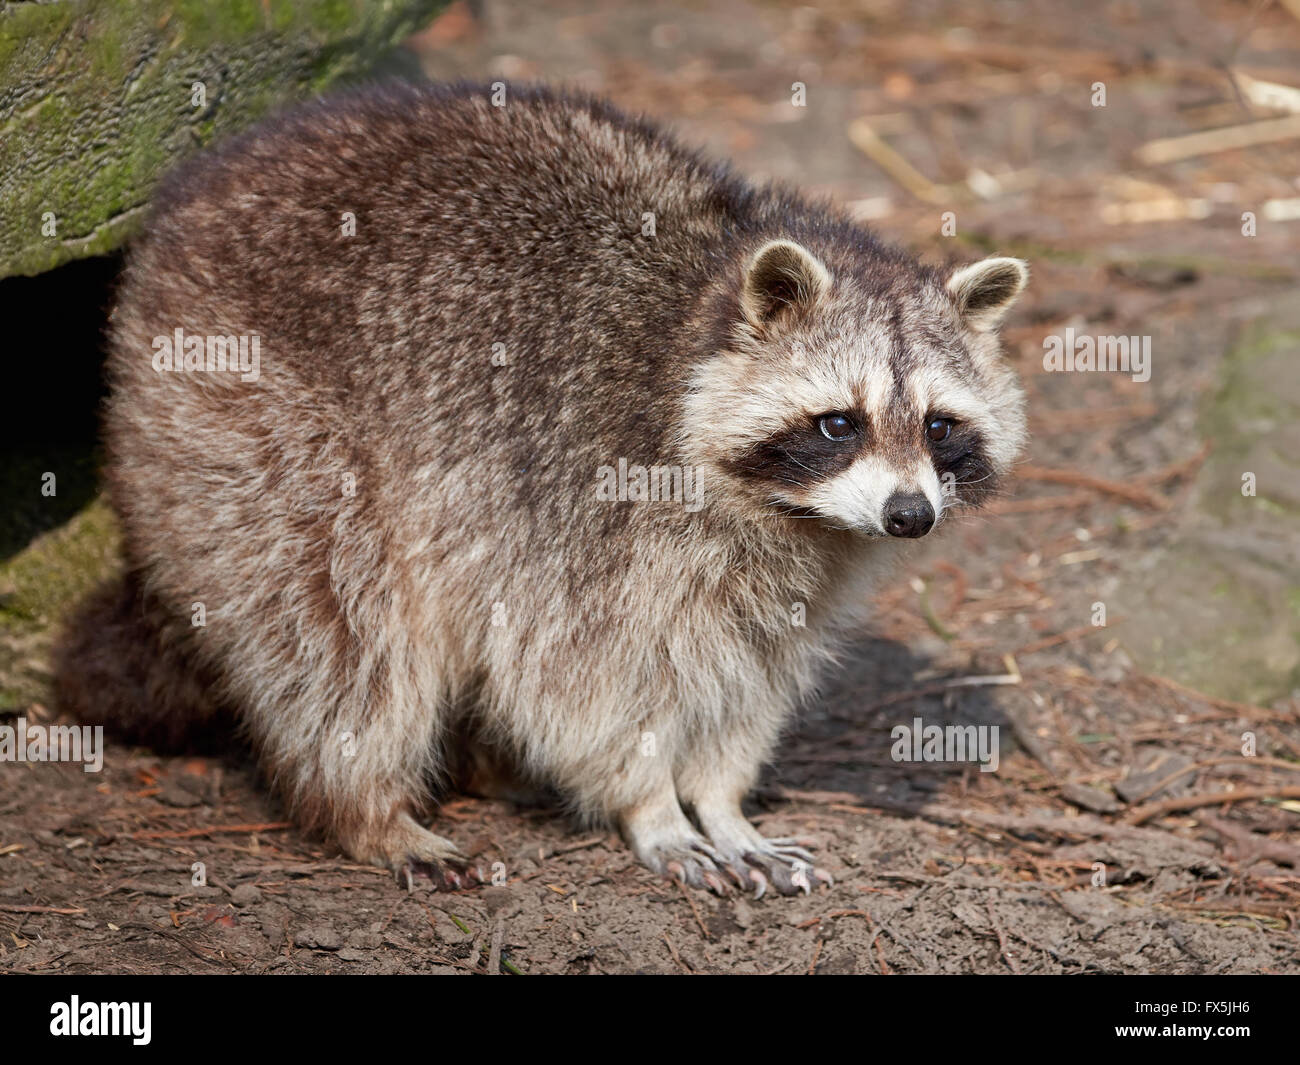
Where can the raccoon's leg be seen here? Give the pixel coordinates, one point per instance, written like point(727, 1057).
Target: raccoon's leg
point(372, 821)
point(660, 834)
point(361, 779)
point(617, 783)
point(350, 739)
point(784, 863)
point(712, 784)
point(402, 844)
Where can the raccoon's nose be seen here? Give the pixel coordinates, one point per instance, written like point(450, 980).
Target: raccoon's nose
point(908, 515)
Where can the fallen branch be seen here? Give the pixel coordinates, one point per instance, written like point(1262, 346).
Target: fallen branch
point(191, 833)
point(978, 680)
point(1193, 802)
point(1083, 826)
point(1274, 763)
point(1075, 479)
point(1252, 846)
point(1033, 506)
point(1268, 93)
point(870, 144)
point(1063, 637)
point(1244, 709)
point(1065, 421)
point(1230, 138)
point(690, 901)
point(198, 952)
point(498, 941)
point(1002, 939)
point(1177, 470)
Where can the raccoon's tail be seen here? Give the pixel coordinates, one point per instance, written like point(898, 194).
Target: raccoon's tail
point(123, 664)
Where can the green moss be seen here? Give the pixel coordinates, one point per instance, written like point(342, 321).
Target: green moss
point(111, 83)
point(39, 586)
point(1234, 416)
point(59, 567)
point(203, 24)
point(1293, 600)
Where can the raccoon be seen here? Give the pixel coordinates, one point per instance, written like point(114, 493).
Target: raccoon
point(565, 452)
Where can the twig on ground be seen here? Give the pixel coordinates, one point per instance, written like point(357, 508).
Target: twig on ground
point(1160, 785)
point(676, 957)
point(1067, 636)
point(817, 953)
point(694, 909)
point(1002, 939)
point(1065, 421)
point(1077, 479)
point(1193, 802)
point(192, 833)
point(1033, 506)
point(1244, 709)
point(1183, 468)
point(494, 951)
point(873, 146)
point(1227, 139)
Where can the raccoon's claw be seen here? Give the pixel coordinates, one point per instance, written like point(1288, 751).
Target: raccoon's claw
point(447, 874)
point(696, 870)
point(717, 885)
point(702, 876)
point(693, 863)
point(784, 865)
point(789, 874)
point(788, 846)
point(410, 850)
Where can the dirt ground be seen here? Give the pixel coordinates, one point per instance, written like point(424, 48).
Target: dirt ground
point(1093, 847)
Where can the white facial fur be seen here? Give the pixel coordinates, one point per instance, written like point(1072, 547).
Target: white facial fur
point(890, 359)
point(856, 498)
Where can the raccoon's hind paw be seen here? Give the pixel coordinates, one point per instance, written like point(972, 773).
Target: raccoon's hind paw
point(446, 874)
point(411, 850)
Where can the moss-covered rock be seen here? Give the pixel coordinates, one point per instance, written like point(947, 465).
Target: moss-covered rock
point(99, 97)
point(39, 586)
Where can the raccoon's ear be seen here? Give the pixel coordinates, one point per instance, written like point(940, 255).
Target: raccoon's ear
point(781, 278)
point(985, 290)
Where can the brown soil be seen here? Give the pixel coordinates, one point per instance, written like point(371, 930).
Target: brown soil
point(939, 867)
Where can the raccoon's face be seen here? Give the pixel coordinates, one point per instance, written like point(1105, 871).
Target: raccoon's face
point(875, 404)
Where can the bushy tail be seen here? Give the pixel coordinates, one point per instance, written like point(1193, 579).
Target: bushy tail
point(123, 664)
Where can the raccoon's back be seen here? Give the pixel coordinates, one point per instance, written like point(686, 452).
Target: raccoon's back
point(434, 275)
point(360, 226)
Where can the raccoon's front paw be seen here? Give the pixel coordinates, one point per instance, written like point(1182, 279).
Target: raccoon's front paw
point(661, 836)
point(759, 863)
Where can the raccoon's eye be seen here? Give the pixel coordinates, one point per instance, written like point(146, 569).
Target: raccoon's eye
point(938, 429)
point(835, 426)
